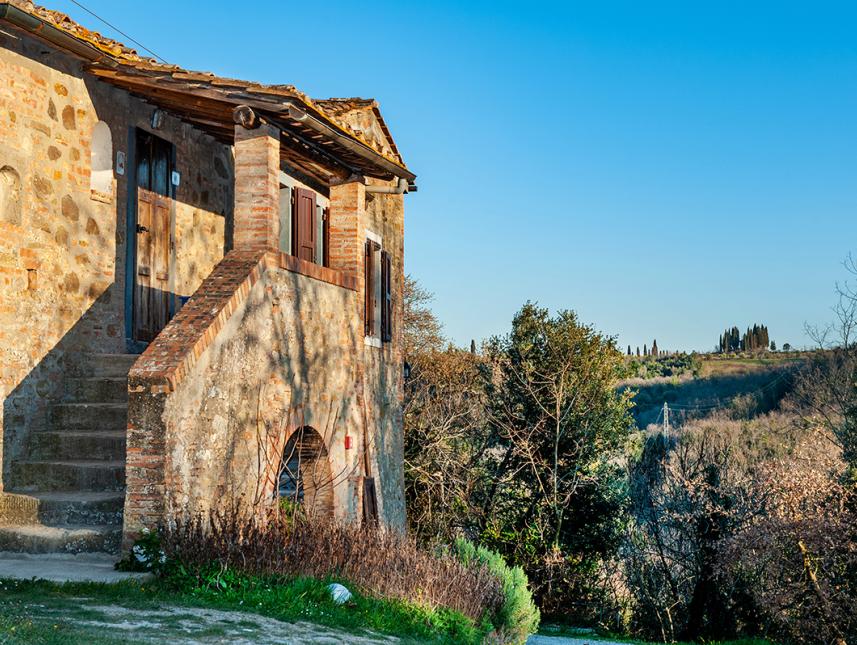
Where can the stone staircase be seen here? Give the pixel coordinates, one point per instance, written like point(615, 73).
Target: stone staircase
point(68, 491)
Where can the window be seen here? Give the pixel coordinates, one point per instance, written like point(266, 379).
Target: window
point(101, 159)
point(378, 305)
point(304, 223)
point(305, 475)
point(154, 163)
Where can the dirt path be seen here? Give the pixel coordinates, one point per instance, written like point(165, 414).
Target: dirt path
point(92, 622)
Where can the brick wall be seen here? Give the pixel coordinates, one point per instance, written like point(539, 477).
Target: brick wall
point(257, 187)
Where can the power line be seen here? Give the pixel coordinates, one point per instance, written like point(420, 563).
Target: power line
point(115, 28)
point(725, 402)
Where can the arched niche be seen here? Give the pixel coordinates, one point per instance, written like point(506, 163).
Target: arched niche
point(101, 159)
point(10, 195)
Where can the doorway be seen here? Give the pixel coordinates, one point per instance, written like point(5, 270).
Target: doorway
point(153, 230)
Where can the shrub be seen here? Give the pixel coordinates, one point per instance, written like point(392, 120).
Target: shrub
point(382, 563)
point(518, 616)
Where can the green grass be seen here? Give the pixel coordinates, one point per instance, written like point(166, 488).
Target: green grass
point(43, 612)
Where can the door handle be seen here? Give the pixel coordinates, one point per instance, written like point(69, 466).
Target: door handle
point(142, 229)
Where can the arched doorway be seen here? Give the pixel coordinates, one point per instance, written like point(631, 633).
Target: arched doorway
point(305, 475)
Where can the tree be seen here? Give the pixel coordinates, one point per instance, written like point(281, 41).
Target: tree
point(445, 444)
point(826, 392)
point(421, 330)
point(655, 348)
point(645, 350)
point(629, 350)
point(773, 346)
point(796, 545)
point(559, 425)
point(638, 350)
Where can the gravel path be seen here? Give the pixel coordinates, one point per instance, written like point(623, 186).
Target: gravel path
point(569, 640)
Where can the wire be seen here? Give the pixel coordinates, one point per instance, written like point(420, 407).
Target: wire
point(115, 28)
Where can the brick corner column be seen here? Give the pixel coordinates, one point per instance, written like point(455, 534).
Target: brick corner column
point(257, 187)
point(347, 226)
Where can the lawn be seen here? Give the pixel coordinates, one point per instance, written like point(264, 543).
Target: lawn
point(236, 610)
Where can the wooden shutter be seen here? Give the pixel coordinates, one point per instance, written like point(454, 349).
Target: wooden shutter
point(370, 501)
point(325, 242)
point(386, 298)
point(369, 287)
point(303, 225)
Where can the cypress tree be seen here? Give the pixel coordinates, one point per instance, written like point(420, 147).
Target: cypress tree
point(655, 348)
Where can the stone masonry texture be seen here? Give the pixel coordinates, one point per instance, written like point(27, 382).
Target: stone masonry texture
point(62, 247)
point(261, 344)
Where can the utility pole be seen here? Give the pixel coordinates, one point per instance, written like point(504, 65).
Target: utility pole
point(666, 419)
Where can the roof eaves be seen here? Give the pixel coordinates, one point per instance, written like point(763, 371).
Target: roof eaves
point(100, 50)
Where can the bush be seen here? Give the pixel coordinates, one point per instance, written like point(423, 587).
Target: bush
point(518, 617)
point(382, 563)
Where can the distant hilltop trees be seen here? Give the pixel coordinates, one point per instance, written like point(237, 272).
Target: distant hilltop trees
point(654, 351)
point(755, 338)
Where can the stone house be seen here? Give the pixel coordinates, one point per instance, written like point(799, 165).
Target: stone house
point(200, 294)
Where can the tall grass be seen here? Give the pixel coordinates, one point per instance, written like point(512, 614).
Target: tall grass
point(382, 563)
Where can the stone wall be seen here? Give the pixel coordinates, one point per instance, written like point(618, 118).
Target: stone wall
point(292, 354)
point(384, 367)
point(62, 246)
point(268, 349)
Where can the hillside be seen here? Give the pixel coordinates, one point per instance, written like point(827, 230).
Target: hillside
point(713, 383)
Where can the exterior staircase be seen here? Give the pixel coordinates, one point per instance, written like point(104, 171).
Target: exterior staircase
point(68, 491)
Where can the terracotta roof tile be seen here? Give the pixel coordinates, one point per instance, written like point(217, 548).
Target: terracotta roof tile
point(330, 109)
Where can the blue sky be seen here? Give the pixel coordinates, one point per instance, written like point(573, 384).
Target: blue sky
point(665, 169)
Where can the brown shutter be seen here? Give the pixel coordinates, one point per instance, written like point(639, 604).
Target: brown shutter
point(325, 240)
point(370, 501)
point(386, 298)
point(369, 288)
point(303, 229)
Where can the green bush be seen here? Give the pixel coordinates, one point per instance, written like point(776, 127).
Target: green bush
point(518, 617)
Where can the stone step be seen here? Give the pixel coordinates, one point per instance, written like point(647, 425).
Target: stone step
point(75, 444)
point(74, 475)
point(80, 508)
point(38, 538)
point(101, 365)
point(97, 389)
point(89, 416)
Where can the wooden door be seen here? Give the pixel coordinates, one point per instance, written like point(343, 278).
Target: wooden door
point(152, 285)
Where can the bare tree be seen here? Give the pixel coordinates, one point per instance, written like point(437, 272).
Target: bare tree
point(826, 392)
point(798, 548)
point(422, 331)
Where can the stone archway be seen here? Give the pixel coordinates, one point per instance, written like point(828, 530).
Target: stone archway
point(305, 474)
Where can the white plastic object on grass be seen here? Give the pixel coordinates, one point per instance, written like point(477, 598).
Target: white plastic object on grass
point(340, 594)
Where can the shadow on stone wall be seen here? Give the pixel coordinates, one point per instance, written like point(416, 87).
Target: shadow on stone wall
point(67, 233)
